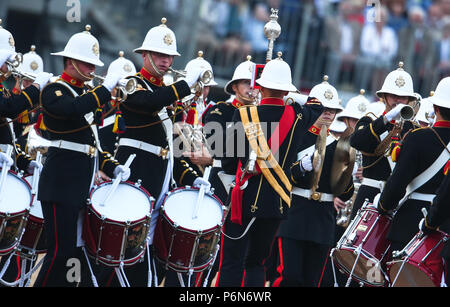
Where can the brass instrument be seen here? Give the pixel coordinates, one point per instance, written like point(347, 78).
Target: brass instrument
point(124, 86)
point(205, 78)
point(343, 164)
point(15, 72)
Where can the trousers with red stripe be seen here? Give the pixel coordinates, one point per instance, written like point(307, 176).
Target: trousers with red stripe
point(60, 223)
point(242, 261)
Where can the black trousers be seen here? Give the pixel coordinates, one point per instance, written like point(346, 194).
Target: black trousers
point(302, 263)
point(242, 262)
point(64, 264)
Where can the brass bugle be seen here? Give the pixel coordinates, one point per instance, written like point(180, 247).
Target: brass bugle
point(13, 65)
point(407, 112)
point(205, 77)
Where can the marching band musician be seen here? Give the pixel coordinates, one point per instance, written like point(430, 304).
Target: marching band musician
point(373, 136)
point(222, 113)
point(438, 217)
point(13, 106)
point(148, 132)
point(308, 233)
point(125, 68)
point(418, 172)
point(71, 161)
point(261, 195)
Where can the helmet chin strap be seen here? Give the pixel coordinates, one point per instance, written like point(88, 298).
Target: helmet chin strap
point(158, 72)
point(75, 65)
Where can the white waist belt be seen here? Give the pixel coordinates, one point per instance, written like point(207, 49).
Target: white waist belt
point(422, 196)
point(108, 121)
point(157, 150)
point(217, 163)
point(83, 148)
point(378, 184)
point(322, 197)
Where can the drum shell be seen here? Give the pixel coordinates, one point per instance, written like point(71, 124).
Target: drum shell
point(33, 239)
point(113, 242)
point(12, 223)
point(423, 262)
point(367, 231)
point(183, 249)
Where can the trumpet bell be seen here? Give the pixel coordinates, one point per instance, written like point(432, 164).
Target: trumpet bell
point(407, 113)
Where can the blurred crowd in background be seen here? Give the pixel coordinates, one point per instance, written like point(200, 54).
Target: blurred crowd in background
point(355, 42)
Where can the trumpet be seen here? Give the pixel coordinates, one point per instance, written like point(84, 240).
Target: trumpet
point(125, 86)
point(14, 71)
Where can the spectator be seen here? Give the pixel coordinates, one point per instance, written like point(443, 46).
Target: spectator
point(444, 50)
point(419, 49)
point(378, 49)
point(398, 17)
point(434, 20)
point(343, 35)
point(253, 30)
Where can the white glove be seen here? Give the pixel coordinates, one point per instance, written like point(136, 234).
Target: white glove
point(306, 164)
point(376, 200)
point(394, 113)
point(42, 79)
point(111, 80)
point(5, 55)
point(199, 181)
point(33, 165)
point(193, 75)
point(123, 171)
point(5, 158)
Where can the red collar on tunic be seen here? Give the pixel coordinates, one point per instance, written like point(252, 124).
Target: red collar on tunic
point(151, 78)
point(272, 101)
point(72, 81)
point(442, 123)
point(237, 104)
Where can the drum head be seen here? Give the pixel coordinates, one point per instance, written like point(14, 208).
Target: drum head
point(128, 203)
point(410, 276)
point(179, 206)
point(16, 195)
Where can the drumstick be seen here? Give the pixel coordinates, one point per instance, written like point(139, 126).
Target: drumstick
point(117, 180)
point(5, 169)
point(201, 192)
point(36, 174)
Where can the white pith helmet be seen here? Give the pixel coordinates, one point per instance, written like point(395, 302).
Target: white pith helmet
point(425, 111)
point(327, 95)
point(376, 108)
point(159, 39)
point(201, 63)
point(441, 95)
point(83, 47)
point(242, 72)
point(32, 62)
point(398, 82)
point(276, 75)
point(6, 39)
point(356, 107)
point(122, 66)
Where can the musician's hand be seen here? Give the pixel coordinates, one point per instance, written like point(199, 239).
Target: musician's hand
point(306, 164)
point(192, 76)
point(6, 55)
point(42, 79)
point(339, 204)
point(5, 158)
point(111, 80)
point(199, 181)
point(33, 165)
point(123, 171)
point(394, 114)
point(201, 157)
point(101, 177)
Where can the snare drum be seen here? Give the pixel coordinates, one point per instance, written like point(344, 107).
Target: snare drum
point(33, 240)
point(15, 203)
point(183, 242)
point(115, 233)
point(363, 249)
point(420, 263)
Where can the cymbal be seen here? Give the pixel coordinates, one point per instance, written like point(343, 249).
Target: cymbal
point(343, 164)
